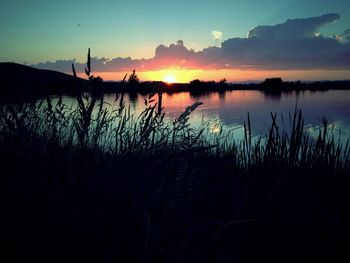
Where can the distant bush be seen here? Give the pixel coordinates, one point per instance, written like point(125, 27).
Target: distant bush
point(133, 80)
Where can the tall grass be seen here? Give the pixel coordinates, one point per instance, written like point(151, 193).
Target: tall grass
point(114, 129)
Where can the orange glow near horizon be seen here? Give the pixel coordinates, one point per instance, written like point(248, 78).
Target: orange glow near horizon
point(172, 75)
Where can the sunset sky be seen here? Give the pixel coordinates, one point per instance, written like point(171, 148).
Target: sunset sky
point(181, 40)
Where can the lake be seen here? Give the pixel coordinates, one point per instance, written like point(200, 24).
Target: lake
point(228, 110)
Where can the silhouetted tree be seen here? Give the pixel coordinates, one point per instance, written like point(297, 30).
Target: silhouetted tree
point(133, 79)
point(273, 86)
point(196, 83)
point(96, 85)
point(223, 83)
point(273, 83)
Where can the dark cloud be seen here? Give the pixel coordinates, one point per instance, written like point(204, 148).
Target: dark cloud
point(59, 65)
point(295, 44)
point(345, 36)
point(293, 28)
point(98, 64)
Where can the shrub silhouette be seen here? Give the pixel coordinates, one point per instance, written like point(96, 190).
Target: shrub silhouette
point(133, 80)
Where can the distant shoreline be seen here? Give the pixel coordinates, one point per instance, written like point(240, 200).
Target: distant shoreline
point(211, 86)
point(24, 82)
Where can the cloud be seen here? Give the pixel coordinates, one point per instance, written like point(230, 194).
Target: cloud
point(294, 44)
point(344, 37)
point(293, 29)
point(217, 35)
point(98, 64)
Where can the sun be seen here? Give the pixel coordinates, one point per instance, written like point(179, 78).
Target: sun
point(169, 79)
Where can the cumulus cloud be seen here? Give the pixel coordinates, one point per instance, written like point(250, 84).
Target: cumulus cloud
point(344, 37)
point(293, 28)
point(293, 44)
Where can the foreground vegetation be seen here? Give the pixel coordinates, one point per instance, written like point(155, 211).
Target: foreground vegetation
point(87, 184)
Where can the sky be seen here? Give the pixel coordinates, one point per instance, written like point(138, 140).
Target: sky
point(236, 40)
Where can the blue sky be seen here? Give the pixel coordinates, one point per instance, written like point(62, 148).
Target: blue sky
point(34, 31)
point(42, 30)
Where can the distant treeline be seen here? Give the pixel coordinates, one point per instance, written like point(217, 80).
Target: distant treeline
point(20, 81)
point(198, 86)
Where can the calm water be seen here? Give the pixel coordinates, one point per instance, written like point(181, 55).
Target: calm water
point(229, 109)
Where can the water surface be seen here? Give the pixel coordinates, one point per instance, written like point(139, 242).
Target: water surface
point(229, 109)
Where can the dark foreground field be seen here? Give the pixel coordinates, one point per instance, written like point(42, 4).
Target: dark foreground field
point(91, 185)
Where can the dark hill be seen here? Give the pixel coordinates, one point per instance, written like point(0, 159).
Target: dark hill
point(20, 80)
